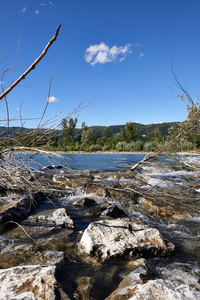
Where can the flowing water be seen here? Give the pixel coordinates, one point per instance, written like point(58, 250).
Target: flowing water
point(171, 182)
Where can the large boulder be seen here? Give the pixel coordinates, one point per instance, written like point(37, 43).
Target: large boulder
point(135, 288)
point(30, 282)
point(111, 238)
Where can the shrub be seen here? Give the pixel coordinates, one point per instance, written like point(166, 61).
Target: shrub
point(94, 148)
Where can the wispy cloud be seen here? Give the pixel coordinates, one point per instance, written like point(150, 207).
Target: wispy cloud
point(102, 53)
point(50, 2)
point(24, 9)
point(43, 4)
point(140, 54)
point(52, 99)
point(37, 12)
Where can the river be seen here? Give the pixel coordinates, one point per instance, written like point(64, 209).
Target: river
point(173, 185)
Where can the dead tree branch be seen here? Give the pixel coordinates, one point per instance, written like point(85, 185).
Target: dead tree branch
point(33, 65)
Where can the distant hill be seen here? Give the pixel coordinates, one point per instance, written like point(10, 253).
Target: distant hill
point(141, 130)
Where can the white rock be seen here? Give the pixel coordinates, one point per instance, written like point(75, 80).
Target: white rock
point(28, 282)
point(60, 217)
point(133, 288)
point(110, 238)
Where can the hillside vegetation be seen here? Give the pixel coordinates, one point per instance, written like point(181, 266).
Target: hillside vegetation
point(128, 137)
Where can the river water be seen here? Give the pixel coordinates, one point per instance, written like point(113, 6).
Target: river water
point(84, 161)
point(172, 183)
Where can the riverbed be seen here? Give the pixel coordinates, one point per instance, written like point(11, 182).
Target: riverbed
point(164, 194)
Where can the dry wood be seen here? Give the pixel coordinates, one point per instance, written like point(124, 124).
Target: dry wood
point(33, 65)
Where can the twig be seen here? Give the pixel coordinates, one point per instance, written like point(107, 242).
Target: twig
point(19, 226)
point(32, 67)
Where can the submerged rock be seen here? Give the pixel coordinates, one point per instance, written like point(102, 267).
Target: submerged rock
point(12, 256)
point(111, 238)
point(30, 282)
point(83, 290)
point(133, 287)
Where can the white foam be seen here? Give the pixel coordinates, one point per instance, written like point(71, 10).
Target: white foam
point(159, 182)
point(177, 272)
point(80, 196)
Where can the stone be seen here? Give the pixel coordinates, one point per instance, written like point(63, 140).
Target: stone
point(85, 202)
point(27, 254)
point(61, 218)
point(74, 180)
point(134, 288)
point(84, 285)
point(154, 209)
point(30, 282)
point(113, 211)
point(111, 238)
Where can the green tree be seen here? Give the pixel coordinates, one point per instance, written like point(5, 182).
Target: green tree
point(53, 140)
point(157, 134)
point(88, 137)
point(128, 133)
point(68, 129)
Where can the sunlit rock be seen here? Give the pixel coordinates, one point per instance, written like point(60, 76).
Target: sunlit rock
point(61, 218)
point(29, 282)
point(112, 238)
point(135, 288)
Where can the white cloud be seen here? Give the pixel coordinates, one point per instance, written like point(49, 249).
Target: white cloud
point(43, 4)
point(50, 2)
point(52, 99)
point(102, 53)
point(24, 9)
point(37, 12)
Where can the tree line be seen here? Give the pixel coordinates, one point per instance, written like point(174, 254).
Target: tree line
point(87, 139)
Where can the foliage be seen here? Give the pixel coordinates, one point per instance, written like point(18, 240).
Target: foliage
point(68, 128)
point(94, 148)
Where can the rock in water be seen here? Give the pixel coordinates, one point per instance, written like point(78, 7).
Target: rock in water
point(132, 287)
point(111, 238)
point(61, 218)
point(29, 282)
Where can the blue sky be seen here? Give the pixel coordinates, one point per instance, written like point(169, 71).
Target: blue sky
point(118, 52)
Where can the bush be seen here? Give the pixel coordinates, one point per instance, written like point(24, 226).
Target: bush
point(130, 146)
point(139, 146)
point(94, 148)
point(121, 146)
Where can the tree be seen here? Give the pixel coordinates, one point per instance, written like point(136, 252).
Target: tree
point(128, 133)
point(88, 137)
point(157, 134)
point(68, 129)
point(53, 140)
point(106, 136)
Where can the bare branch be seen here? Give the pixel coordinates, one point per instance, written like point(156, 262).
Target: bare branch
point(32, 66)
